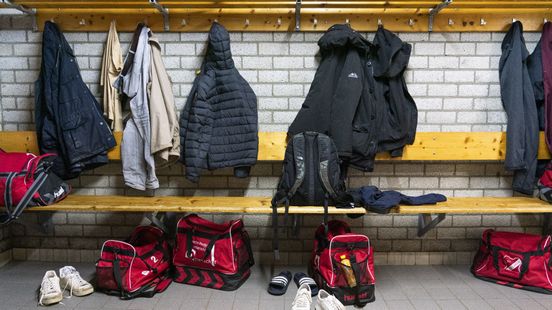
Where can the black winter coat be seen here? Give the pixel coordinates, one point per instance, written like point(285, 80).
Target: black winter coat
point(218, 125)
point(358, 96)
point(518, 99)
point(68, 118)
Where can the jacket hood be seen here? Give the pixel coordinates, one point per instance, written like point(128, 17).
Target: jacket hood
point(342, 35)
point(218, 50)
point(392, 54)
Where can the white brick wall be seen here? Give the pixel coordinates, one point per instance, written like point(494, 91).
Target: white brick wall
point(453, 77)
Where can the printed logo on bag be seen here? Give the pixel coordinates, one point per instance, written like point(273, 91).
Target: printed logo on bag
point(353, 75)
point(154, 259)
point(145, 272)
point(512, 263)
point(59, 192)
point(352, 297)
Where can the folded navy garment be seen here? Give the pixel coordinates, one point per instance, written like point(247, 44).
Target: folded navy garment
point(374, 200)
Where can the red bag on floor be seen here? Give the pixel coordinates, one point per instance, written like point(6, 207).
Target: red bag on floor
point(515, 259)
point(330, 273)
point(137, 268)
point(212, 255)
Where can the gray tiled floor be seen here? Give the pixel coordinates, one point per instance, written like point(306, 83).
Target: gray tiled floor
point(397, 287)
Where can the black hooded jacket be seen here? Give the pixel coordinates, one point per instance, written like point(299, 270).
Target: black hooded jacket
point(218, 125)
point(359, 97)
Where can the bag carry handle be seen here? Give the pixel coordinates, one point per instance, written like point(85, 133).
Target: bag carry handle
point(13, 213)
point(356, 272)
point(524, 262)
point(117, 275)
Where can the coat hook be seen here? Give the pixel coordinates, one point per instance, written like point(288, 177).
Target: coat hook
point(450, 22)
point(380, 23)
point(183, 23)
point(215, 20)
point(82, 22)
point(314, 22)
point(347, 21)
point(482, 22)
point(410, 22)
point(545, 20)
point(247, 22)
point(514, 20)
point(279, 22)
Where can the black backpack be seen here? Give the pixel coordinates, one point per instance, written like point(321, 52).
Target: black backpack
point(311, 176)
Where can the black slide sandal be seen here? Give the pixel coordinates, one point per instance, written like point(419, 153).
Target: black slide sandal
point(301, 278)
point(279, 284)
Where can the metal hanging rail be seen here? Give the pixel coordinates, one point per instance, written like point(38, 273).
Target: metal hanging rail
point(22, 9)
point(164, 11)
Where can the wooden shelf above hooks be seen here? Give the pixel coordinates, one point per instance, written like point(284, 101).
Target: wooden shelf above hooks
point(265, 15)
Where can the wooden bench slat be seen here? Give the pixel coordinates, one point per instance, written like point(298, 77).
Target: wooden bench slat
point(436, 146)
point(261, 205)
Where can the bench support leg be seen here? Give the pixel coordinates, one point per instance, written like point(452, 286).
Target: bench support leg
point(426, 222)
point(547, 224)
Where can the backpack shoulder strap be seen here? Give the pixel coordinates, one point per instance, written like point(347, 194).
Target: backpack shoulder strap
point(298, 142)
point(324, 152)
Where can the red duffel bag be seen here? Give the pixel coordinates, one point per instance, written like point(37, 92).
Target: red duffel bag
point(212, 255)
point(515, 259)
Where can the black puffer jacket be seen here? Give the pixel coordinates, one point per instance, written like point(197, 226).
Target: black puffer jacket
point(218, 125)
point(359, 97)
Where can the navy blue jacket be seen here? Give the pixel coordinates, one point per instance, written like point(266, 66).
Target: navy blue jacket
point(68, 118)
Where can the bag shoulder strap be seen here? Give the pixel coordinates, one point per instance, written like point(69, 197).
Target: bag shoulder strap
point(298, 143)
point(324, 152)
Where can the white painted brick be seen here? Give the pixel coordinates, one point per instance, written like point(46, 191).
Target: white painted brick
point(497, 117)
point(441, 117)
point(7, 102)
point(494, 90)
point(488, 49)
point(393, 182)
point(498, 192)
point(444, 90)
point(6, 49)
point(444, 36)
point(476, 36)
point(498, 36)
point(474, 62)
point(250, 75)
point(15, 90)
point(288, 36)
point(413, 36)
point(26, 76)
point(429, 48)
point(417, 89)
point(428, 128)
point(486, 77)
point(256, 36)
point(273, 76)
point(423, 103)
point(460, 49)
point(11, 36)
point(92, 49)
point(418, 62)
point(454, 182)
point(424, 182)
point(311, 62)
point(288, 62)
point(473, 90)
point(257, 62)
point(190, 62)
point(483, 182)
point(296, 103)
point(262, 89)
point(194, 36)
point(7, 63)
point(486, 127)
point(301, 76)
point(443, 62)
point(409, 169)
point(17, 116)
point(272, 103)
point(244, 48)
point(455, 128)
point(179, 49)
point(27, 49)
point(287, 90)
point(472, 117)
point(284, 117)
point(459, 76)
point(457, 103)
point(264, 117)
point(488, 104)
point(303, 49)
point(273, 49)
point(495, 62)
point(428, 76)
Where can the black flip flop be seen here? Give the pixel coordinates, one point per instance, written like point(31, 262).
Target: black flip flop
point(301, 278)
point(279, 284)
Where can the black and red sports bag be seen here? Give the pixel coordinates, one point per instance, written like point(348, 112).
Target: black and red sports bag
point(212, 255)
point(139, 267)
point(327, 269)
point(26, 180)
point(515, 259)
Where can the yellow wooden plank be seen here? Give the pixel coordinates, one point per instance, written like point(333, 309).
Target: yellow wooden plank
point(435, 146)
point(261, 205)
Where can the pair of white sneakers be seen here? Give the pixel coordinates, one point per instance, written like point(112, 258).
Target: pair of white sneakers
point(69, 278)
point(326, 301)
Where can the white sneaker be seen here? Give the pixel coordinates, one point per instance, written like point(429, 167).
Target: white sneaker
point(50, 292)
point(70, 279)
point(328, 302)
point(303, 299)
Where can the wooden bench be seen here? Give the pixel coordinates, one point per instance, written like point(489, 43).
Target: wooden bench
point(441, 146)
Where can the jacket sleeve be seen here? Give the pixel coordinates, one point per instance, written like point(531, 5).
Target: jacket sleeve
point(199, 132)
